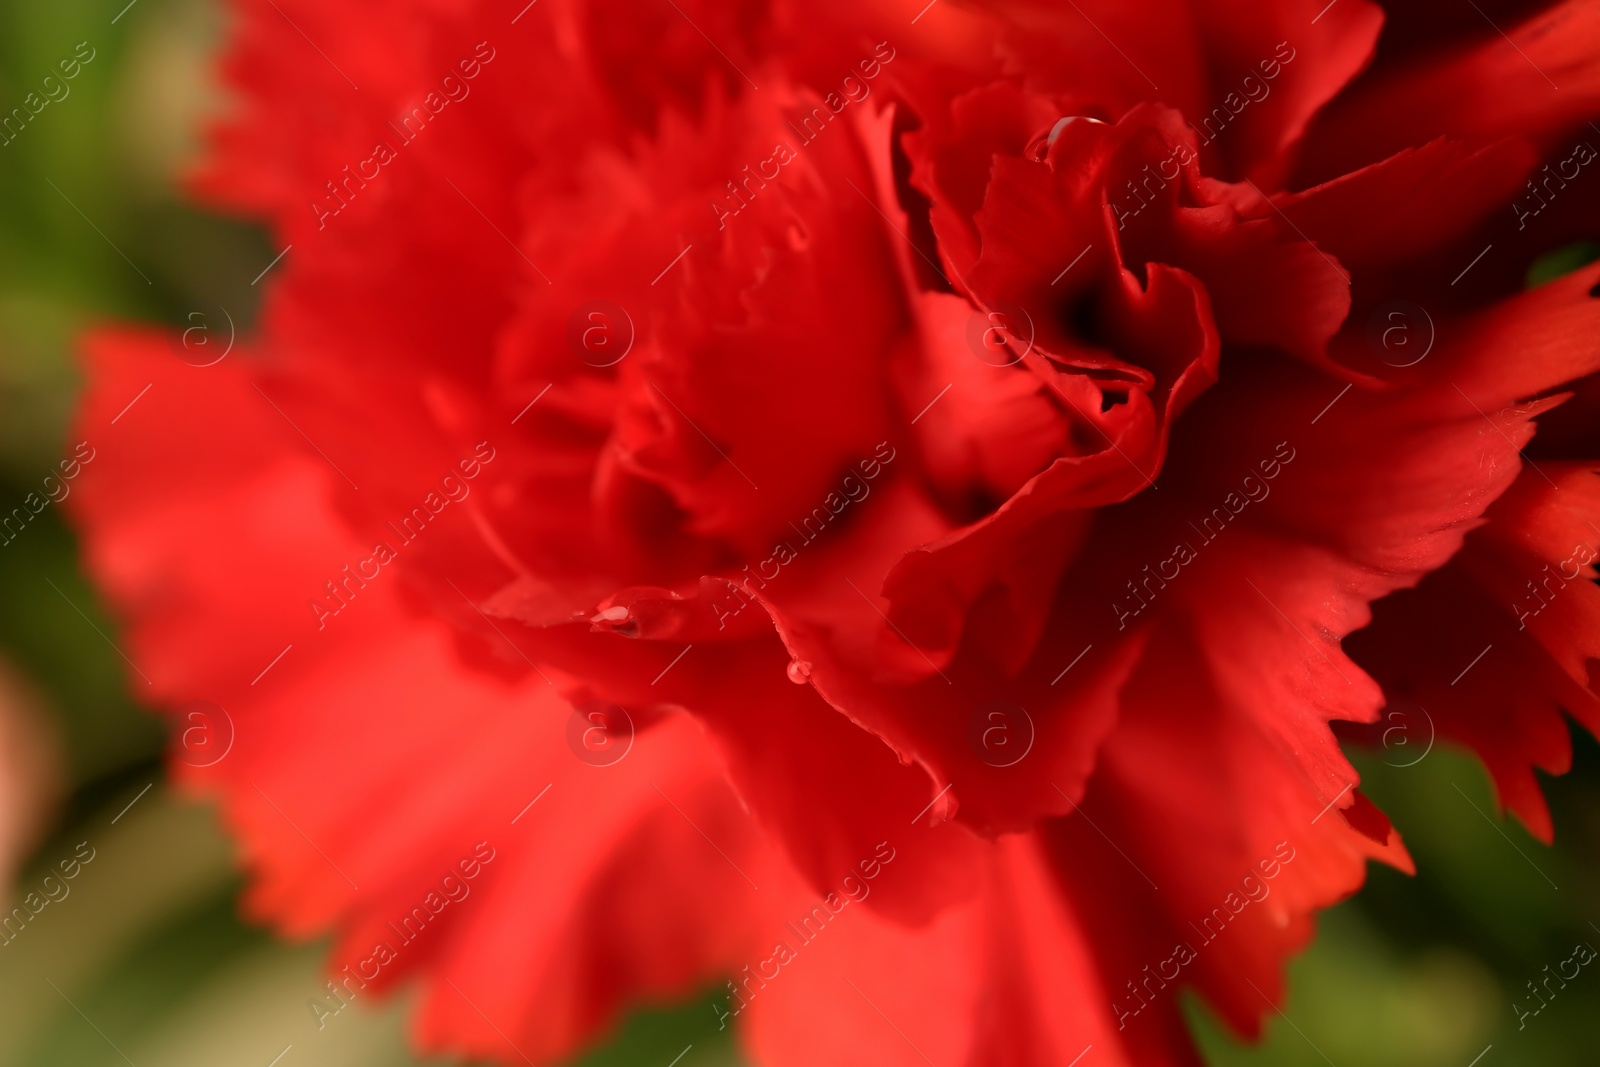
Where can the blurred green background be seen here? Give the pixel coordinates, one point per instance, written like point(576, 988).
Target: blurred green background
point(146, 962)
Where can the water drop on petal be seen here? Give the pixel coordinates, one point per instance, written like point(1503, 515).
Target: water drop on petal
point(799, 671)
point(1040, 146)
point(1055, 131)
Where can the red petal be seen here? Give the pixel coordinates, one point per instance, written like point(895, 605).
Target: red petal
point(1535, 81)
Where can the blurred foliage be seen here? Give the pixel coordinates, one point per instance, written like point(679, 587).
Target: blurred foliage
point(147, 959)
point(1564, 260)
point(1423, 971)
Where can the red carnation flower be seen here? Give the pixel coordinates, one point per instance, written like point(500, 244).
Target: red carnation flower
point(882, 506)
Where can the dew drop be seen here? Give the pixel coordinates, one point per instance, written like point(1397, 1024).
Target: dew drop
point(1055, 131)
point(617, 619)
point(799, 671)
point(1041, 145)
